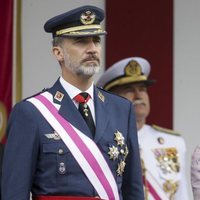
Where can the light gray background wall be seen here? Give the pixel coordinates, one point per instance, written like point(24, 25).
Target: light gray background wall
point(186, 73)
point(40, 69)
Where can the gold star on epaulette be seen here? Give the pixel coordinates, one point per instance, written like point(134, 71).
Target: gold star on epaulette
point(120, 168)
point(113, 152)
point(119, 138)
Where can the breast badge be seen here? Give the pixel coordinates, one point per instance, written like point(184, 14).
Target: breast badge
point(119, 152)
point(119, 138)
point(169, 166)
point(170, 187)
point(120, 168)
point(53, 135)
point(113, 152)
point(62, 168)
point(168, 160)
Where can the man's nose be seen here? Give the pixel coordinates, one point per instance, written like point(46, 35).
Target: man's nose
point(92, 47)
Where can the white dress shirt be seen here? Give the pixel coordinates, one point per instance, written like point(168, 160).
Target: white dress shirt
point(73, 91)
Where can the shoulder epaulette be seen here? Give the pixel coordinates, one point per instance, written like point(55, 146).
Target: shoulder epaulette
point(165, 130)
point(112, 93)
point(45, 89)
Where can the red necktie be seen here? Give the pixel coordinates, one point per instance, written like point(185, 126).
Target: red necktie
point(84, 109)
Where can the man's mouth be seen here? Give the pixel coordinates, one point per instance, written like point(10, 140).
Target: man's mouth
point(139, 102)
point(91, 59)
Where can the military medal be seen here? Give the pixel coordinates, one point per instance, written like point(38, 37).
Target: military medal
point(170, 187)
point(168, 160)
point(113, 152)
point(120, 168)
point(119, 138)
point(119, 152)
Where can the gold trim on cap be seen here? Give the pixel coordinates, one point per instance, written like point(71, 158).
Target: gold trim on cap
point(125, 80)
point(79, 28)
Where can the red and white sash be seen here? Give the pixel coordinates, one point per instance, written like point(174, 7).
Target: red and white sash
point(84, 150)
point(155, 192)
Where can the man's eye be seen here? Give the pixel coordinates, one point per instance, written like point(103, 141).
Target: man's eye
point(143, 89)
point(97, 40)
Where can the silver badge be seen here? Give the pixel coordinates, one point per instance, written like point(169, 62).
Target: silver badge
point(62, 168)
point(53, 135)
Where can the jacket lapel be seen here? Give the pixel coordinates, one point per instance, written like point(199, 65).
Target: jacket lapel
point(102, 118)
point(68, 110)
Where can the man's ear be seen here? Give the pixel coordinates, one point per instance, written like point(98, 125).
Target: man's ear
point(58, 53)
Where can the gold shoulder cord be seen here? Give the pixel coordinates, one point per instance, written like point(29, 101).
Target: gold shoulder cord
point(146, 189)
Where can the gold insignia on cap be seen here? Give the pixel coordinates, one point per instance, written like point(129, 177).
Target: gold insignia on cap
point(120, 168)
point(133, 69)
point(59, 96)
point(101, 96)
point(119, 138)
point(113, 152)
point(161, 140)
point(87, 17)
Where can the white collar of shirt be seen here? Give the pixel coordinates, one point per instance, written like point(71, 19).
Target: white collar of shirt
point(72, 91)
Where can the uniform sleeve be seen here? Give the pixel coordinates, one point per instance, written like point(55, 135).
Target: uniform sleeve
point(20, 154)
point(132, 187)
point(195, 173)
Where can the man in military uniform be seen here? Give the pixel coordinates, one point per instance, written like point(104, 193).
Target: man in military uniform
point(162, 151)
point(68, 142)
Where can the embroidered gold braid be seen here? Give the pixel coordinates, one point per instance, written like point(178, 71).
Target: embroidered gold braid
point(146, 189)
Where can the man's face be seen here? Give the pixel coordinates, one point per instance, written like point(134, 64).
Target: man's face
point(136, 93)
point(82, 55)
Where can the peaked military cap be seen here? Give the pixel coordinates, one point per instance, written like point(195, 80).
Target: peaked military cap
point(82, 21)
point(128, 70)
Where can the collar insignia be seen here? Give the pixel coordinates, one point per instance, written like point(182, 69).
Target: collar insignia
point(59, 96)
point(101, 97)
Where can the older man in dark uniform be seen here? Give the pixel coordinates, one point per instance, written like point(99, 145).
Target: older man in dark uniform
point(74, 140)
